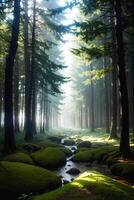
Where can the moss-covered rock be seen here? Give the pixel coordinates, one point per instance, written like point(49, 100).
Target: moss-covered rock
point(100, 154)
point(91, 186)
point(48, 143)
point(66, 151)
point(30, 147)
point(112, 158)
point(83, 156)
point(49, 158)
point(84, 144)
point(20, 178)
point(125, 170)
point(19, 157)
point(56, 139)
point(69, 142)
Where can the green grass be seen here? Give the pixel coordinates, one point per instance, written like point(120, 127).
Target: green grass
point(18, 178)
point(91, 186)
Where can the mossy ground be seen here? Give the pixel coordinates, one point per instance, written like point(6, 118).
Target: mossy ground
point(46, 151)
point(91, 186)
point(19, 178)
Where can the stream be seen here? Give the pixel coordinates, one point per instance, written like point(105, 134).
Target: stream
point(65, 177)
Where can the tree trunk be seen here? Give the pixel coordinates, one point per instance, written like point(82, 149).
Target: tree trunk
point(107, 120)
point(124, 140)
point(92, 105)
point(1, 95)
point(9, 141)
point(32, 80)
point(113, 133)
point(28, 124)
point(16, 98)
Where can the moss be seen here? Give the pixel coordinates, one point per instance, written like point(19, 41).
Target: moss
point(84, 144)
point(30, 147)
point(50, 157)
point(91, 186)
point(69, 142)
point(100, 154)
point(83, 156)
point(81, 149)
point(112, 158)
point(19, 157)
point(20, 178)
point(48, 143)
point(125, 170)
point(66, 151)
point(56, 139)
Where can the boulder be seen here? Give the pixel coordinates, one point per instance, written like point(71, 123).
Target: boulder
point(49, 158)
point(73, 171)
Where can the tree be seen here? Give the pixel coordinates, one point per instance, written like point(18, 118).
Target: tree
point(9, 142)
point(124, 140)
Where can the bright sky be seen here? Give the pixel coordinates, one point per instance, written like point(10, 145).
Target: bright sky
point(71, 16)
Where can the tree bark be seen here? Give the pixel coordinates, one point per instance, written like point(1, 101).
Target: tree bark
point(124, 140)
point(16, 98)
point(113, 133)
point(28, 124)
point(92, 105)
point(9, 140)
point(33, 78)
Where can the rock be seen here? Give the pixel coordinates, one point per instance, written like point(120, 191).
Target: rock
point(125, 170)
point(19, 157)
point(56, 139)
point(69, 142)
point(65, 181)
point(69, 165)
point(31, 147)
point(49, 158)
point(84, 144)
point(83, 156)
point(66, 151)
point(73, 148)
point(19, 178)
point(73, 171)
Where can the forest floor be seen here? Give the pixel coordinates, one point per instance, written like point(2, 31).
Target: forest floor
point(67, 165)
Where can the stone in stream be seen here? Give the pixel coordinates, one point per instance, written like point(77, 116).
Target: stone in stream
point(73, 148)
point(69, 165)
point(73, 171)
point(65, 181)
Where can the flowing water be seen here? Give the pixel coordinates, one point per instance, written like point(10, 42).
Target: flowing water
point(81, 166)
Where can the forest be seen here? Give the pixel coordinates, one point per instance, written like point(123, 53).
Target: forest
point(66, 99)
